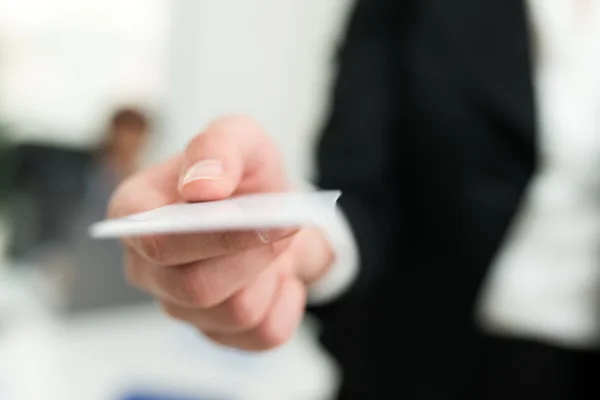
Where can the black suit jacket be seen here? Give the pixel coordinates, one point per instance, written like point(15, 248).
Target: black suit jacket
point(431, 138)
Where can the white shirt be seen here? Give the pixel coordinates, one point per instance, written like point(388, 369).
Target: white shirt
point(545, 281)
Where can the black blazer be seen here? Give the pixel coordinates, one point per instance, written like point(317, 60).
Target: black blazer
point(431, 138)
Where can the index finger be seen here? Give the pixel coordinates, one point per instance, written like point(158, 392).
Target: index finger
point(157, 187)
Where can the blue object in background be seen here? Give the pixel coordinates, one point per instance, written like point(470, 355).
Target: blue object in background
point(162, 396)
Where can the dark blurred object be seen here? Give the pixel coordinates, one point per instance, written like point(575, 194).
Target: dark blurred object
point(46, 188)
point(5, 165)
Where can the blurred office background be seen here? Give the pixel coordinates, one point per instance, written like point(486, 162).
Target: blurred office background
point(170, 66)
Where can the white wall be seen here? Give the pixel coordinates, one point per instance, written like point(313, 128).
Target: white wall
point(65, 63)
point(266, 58)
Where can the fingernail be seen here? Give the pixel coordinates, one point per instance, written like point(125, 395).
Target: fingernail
point(263, 235)
point(202, 170)
point(274, 235)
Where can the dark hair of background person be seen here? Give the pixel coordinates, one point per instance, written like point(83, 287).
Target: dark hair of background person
point(129, 119)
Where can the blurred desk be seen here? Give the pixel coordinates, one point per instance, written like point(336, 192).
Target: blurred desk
point(104, 355)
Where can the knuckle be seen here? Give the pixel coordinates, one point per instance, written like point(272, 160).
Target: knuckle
point(197, 289)
point(244, 312)
point(271, 335)
point(155, 248)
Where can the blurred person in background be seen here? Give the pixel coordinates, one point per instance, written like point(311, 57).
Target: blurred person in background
point(126, 138)
point(93, 281)
point(465, 262)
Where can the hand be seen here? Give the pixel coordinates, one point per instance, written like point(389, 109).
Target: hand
point(242, 289)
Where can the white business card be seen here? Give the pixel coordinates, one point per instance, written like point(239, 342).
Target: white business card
point(256, 211)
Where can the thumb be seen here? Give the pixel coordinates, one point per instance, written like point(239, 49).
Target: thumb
point(232, 156)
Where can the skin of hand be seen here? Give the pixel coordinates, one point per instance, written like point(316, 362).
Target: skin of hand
point(242, 289)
